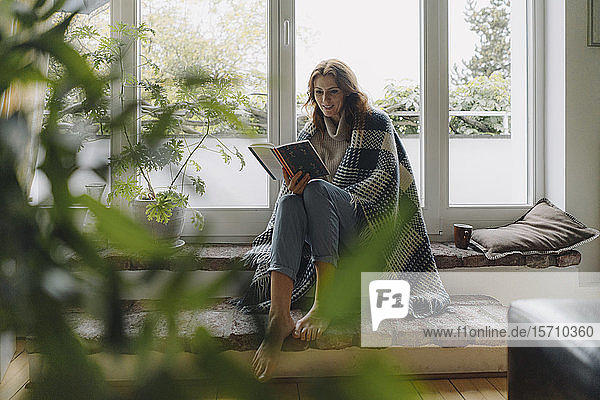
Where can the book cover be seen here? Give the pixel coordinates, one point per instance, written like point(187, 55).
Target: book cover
point(302, 156)
point(292, 157)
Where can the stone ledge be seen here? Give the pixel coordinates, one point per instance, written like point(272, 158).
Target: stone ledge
point(222, 257)
point(235, 330)
point(214, 257)
point(448, 256)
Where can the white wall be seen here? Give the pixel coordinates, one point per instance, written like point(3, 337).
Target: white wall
point(508, 284)
point(555, 102)
point(582, 127)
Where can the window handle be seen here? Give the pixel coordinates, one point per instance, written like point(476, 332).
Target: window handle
point(286, 32)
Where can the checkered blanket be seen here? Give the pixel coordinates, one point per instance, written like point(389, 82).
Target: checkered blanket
point(375, 171)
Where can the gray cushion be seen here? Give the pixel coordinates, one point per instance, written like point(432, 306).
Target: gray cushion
point(544, 229)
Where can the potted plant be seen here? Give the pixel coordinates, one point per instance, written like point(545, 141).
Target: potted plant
point(202, 101)
point(198, 104)
point(163, 207)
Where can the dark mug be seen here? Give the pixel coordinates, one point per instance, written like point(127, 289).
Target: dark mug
point(462, 235)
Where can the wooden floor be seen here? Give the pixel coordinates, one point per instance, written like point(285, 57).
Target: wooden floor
point(13, 386)
point(431, 389)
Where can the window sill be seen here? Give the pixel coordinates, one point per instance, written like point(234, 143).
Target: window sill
point(219, 257)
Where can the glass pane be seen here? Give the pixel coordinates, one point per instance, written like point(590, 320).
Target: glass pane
point(85, 34)
point(227, 39)
point(488, 102)
point(382, 50)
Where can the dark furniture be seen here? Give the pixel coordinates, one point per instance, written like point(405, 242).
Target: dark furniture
point(565, 371)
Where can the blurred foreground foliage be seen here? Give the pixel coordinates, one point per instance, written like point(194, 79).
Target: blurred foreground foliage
point(39, 283)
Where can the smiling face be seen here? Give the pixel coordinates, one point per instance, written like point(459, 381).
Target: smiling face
point(329, 97)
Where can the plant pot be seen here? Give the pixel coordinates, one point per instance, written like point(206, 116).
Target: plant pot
point(170, 232)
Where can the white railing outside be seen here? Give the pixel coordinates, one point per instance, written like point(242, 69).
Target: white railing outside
point(484, 169)
point(504, 114)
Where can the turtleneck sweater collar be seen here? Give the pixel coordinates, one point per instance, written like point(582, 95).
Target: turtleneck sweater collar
point(341, 131)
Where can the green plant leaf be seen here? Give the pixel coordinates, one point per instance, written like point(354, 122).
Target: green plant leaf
point(197, 220)
point(199, 185)
point(128, 189)
point(161, 209)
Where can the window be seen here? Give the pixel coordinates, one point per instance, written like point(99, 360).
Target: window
point(385, 58)
point(469, 130)
point(84, 33)
point(487, 44)
point(228, 39)
point(500, 177)
point(462, 76)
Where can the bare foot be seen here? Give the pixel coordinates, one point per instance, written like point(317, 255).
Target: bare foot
point(311, 326)
point(265, 358)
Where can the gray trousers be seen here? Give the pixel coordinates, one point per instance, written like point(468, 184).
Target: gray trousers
point(323, 216)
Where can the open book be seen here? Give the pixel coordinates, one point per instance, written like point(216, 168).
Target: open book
point(292, 157)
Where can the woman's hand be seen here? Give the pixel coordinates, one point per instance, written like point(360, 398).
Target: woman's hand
point(296, 183)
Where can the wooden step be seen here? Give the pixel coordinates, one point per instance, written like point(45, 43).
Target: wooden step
point(240, 331)
point(295, 377)
point(336, 354)
point(424, 362)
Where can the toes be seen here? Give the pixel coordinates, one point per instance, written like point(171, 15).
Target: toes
point(298, 330)
point(316, 334)
point(306, 334)
point(260, 370)
point(265, 372)
point(303, 333)
point(258, 363)
point(257, 367)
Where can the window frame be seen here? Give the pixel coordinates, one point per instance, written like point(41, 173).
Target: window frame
point(241, 225)
point(223, 224)
point(438, 213)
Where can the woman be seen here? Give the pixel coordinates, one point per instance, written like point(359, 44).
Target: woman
point(370, 181)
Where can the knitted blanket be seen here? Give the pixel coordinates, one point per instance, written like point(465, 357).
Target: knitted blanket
point(375, 171)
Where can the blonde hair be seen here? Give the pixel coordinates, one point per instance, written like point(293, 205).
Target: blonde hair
point(356, 103)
